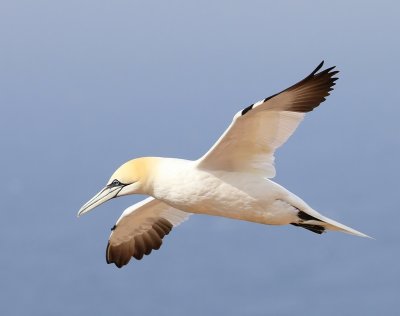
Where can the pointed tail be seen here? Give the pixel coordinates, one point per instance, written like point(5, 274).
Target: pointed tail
point(314, 221)
point(333, 225)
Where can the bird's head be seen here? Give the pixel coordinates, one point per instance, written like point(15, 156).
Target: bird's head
point(130, 178)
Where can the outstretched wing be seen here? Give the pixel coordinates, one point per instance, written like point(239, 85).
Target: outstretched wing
point(249, 143)
point(140, 229)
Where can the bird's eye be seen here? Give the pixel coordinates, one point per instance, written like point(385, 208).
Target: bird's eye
point(115, 182)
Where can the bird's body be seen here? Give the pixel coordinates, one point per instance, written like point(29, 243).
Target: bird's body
point(185, 186)
point(181, 184)
point(231, 180)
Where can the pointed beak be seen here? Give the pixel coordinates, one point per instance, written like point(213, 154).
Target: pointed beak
point(103, 196)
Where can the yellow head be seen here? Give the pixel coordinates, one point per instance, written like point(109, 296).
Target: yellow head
point(133, 177)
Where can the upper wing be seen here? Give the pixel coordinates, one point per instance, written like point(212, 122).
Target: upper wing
point(249, 143)
point(140, 229)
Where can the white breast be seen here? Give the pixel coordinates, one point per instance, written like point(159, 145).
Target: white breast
point(230, 194)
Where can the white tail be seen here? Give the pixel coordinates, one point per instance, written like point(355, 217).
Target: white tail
point(333, 225)
point(311, 220)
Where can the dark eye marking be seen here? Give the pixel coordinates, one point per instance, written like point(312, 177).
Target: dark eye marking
point(115, 183)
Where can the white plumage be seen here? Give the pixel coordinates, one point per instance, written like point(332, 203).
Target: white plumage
point(231, 180)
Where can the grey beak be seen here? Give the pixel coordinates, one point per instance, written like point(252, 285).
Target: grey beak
point(103, 196)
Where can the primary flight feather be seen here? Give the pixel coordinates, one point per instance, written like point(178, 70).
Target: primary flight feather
point(231, 180)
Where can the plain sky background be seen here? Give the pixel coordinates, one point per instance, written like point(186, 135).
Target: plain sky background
point(88, 85)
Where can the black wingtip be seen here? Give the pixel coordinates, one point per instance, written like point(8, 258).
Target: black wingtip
point(318, 68)
point(119, 266)
point(318, 229)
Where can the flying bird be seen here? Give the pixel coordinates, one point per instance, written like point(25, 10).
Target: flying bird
point(231, 180)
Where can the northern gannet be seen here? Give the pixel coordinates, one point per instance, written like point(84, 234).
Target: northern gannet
point(231, 180)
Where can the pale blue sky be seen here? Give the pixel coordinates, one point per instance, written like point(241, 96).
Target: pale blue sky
point(87, 85)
